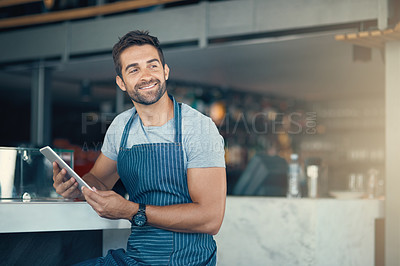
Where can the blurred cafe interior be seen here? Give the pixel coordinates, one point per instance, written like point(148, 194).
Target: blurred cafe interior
point(298, 89)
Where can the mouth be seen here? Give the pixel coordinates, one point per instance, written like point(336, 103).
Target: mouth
point(148, 87)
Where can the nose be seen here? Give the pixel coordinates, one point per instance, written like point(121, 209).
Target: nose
point(146, 76)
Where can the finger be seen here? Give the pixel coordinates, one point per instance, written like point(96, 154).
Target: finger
point(72, 191)
point(60, 179)
point(56, 170)
point(92, 195)
point(55, 166)
point(62, 187)
point(88, 194)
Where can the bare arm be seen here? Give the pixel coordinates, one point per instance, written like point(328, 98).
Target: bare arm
point(103, 174)
point(207, 188)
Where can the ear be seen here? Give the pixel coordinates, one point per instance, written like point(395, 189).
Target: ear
point(120, 83)
point(166, 72)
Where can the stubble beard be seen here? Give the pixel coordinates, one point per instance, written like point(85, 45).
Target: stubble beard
point(148, 97)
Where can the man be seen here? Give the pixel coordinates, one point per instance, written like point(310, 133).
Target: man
point(170, 159)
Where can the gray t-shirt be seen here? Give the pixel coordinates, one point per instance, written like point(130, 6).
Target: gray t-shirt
point(202, 143)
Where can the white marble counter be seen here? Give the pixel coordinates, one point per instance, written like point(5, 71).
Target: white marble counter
point(19, 217)
point(279, 231)
point(255, 231)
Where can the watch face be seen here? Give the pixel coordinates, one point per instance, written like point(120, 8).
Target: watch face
point(140, 219)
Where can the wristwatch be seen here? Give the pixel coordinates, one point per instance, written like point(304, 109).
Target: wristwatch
point(140, 219)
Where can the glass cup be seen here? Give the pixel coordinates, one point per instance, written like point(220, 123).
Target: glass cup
point(356, 183)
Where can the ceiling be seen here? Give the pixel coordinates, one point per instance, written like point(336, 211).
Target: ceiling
point(305, 67)
point(310, 67)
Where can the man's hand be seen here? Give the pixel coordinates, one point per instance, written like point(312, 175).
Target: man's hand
point(68, 188)
point(109, 204)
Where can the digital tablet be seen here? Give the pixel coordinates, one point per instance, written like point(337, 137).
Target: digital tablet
point(53, 157)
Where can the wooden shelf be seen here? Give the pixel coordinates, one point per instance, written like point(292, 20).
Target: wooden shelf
point(79, 13)
point(371, 39)
point(6, 3)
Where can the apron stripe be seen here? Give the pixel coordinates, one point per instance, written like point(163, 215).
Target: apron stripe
point(154, 174)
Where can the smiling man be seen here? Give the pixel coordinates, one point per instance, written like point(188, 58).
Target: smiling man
point(170, 158)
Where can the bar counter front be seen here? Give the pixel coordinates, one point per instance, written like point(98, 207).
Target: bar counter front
point(255, 231)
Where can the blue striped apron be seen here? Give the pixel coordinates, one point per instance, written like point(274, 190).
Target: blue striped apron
point(154, 174)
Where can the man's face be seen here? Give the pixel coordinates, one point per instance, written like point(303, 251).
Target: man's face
point(143, 75)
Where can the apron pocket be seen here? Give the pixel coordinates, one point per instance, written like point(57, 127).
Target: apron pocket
point(150, 245)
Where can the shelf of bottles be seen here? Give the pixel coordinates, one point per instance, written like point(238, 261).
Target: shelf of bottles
point(249, 122)
point(345, 136)
point(350, 138)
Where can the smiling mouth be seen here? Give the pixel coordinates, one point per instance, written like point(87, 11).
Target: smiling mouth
point(148, 87)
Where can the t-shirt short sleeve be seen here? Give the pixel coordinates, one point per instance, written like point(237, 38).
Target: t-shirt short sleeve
point(113, 135)
point(204, 145)
point(109, 148)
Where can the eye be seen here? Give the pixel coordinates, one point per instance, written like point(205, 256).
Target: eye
point(153, 66)
point(132, 70)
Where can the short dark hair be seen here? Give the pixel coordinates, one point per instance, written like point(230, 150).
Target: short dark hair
point(132, 38)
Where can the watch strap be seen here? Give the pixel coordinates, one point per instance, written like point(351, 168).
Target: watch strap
point(140, 218)
point(142, 208)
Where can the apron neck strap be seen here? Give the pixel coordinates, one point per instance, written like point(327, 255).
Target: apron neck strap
point(177, 118)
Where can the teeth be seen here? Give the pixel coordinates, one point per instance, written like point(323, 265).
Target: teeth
point(148, 87)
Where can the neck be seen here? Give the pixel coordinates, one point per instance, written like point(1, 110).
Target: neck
point(156, 114)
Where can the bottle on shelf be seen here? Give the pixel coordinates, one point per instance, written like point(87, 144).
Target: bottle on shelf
point(372, 183)
point(312, 174)
point(294, 177)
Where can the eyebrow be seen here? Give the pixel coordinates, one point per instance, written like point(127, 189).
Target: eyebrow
point(136, 64)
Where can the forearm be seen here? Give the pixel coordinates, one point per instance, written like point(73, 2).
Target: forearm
point(103, 174)
point(187, 218)
point(93, 181)
point(207, 188)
